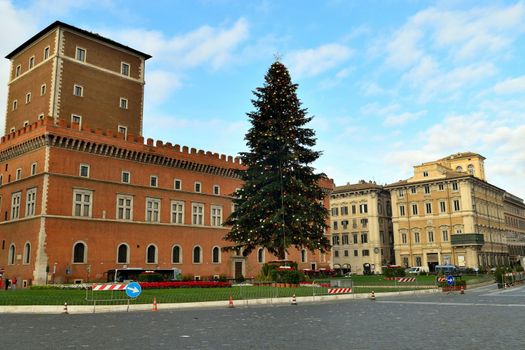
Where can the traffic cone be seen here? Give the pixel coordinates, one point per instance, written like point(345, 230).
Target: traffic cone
point(65, 309)
point(230, 305)
point(372, 296)
point(462, 290)
point(294, 301)
point(154, 304)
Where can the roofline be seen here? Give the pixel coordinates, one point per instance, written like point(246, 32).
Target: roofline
point(73, 28)
point(466, 176)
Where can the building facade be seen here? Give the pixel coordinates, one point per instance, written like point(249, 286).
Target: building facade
point(362, 232)
point(514, 211)
point(447, 213)
point(82, 192)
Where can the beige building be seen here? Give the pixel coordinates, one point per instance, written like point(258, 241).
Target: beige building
point(514, 211)
point(362, 235)
point(447, 213)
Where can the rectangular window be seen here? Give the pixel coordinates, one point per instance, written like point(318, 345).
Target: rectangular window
point(177, 212)
point(346, 252)
point(400, 193)
point(153, 181)
point(31, 202)
point(428, 208)
point(353, 209)
point(335, 240)
point(80, 54)
point(335, 211)
point(31, 63)
point(177, 184)
point(197, 211)
point(15, 205)
point(366, 252)
point(125, 177)
point(344, 210)
point(454, 186)
point(152, 210)
point(84, 170)
point(18, 173)
point(401, 210)
point(124, 207)
point(441, 187)
point(198, 187)
point(355, 238)
point(345, 239)
point(216, 190)
point(444, 234)
point(216, 215)
point(46, 53)
point(430, 236)
point(364, 222)
point(427, 189)
point(456, 205)
point(356, 252)
point(42, 89)
point(82, 203)
point(442, 207)
point(413, 190)
point(364, 238)
point(123, 130)
point(404, 238)
point(336, 254)
point(414, 209)
point(76, 119)
point(416, 237)
point(124, 69)
point(363, 208)
point(123, 103)
point(28, 97)
point(15, 104)
point(335, 225)
point(18, 70)
point(78, 90)
point(425, 173)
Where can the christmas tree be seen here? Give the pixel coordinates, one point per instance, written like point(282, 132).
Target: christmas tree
point(280, 204)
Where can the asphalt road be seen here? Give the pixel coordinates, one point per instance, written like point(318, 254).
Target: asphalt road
point(486, 318)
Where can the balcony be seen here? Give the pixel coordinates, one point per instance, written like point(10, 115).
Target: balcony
point(467, 239)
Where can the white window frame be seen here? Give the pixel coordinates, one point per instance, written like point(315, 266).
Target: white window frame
point(156, 254)
point(18, 71)
point(47, 51)
point(82, 203)
point(122, 177)
point(220, 255)
point(126, 209)
point(428, 208)
point(180, 254)
point(123, 130)
point(457, 205)
point(16, 199)
point(26, 123)
point(179, 183)
point(12, 129)
point(197, 214)
point(26, 257)
point(260, 256)
point(197, 187)
point(455, 186)
point(76, 116)
point(41, 116)
point(442, 206)
point(177, 212)
point(430, 236)
point(152, 213)
point(127, 253)
point(417, 237)
point(216, 215)
point(18, 174)
point(123, 104)
point(43, 89)
point(123, 71)
point(31, 62)
point(83, 166)
point(15, 105)
point(154, 181)
point(304, 255)
point(78, 90)
point(217, 190)
point(11, 258)
point(84, 258)
point(193, 254)
point(402, 210)
point(444, 235)
point(31, 202)
point(80, 54)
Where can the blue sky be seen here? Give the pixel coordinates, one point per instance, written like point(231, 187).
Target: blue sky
point(391, 84)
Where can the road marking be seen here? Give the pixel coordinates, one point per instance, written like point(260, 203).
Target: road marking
point(447, 304)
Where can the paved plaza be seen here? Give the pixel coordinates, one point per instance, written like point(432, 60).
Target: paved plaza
point(483, 318)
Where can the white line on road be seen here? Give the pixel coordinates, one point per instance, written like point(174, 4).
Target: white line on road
point(447, 304)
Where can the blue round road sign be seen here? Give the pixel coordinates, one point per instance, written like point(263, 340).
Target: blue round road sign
point(450, 280)
point(133, 289)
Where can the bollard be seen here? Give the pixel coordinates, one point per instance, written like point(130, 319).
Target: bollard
point(230, 304)
point(462, 290)
point(154, 304)
point(372, 296)
point(65, 309)
point(294, 300)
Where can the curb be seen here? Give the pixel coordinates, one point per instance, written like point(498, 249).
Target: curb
point(89, 309)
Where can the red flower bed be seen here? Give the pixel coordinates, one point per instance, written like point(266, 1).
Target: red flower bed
point(184, 284)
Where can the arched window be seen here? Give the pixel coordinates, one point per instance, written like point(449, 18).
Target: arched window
point(470, 169)
point(27, 253)
point(459, 169)
point(12, 255)
point(151, 254)
point(216, 255)
point(303, 255)
point(260, 255)
point(197, 251)
point(176, 255)
point(79, 253)
point(123, 254)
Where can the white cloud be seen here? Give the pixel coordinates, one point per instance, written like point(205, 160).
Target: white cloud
point(510, 86)
point(399, 119)
point(312, 62)
point(159, 86)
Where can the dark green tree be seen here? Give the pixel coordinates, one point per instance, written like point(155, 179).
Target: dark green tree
point(280, 203)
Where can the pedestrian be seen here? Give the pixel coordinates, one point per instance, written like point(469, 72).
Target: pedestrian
point(7, 282)
point(13, 286)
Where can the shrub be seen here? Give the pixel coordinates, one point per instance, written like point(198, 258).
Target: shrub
point(188, 277)
point(394, 271)
point(287, 276)
point(458, 282)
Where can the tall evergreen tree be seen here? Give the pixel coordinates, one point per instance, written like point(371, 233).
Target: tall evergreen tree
point(280, 203)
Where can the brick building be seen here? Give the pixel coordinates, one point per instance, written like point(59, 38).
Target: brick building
point(82, 192)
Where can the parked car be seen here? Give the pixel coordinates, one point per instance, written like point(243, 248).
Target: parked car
point(416, 270)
